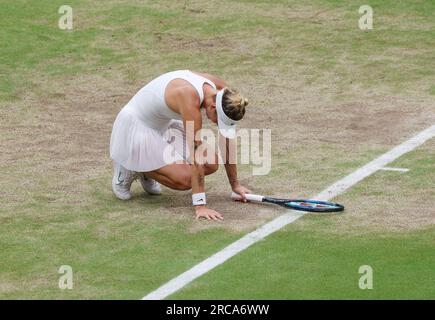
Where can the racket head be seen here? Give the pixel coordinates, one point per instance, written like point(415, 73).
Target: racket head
point(308, 205)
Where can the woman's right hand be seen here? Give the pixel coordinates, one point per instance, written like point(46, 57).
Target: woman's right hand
point(209, 214)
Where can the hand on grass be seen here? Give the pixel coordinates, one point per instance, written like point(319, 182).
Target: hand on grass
point(209, 214)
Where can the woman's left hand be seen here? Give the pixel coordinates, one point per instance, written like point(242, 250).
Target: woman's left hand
point(241, 190)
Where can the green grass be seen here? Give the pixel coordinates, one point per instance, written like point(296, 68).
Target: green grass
point(117, 34)
point(114, 252)
point(293, 264)
point(421, 163)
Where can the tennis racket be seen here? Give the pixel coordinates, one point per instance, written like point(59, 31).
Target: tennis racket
point(302, 205)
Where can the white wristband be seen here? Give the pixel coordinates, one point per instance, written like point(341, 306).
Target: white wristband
point(198, 199)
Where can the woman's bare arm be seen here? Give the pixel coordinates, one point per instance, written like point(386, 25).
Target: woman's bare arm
point(190, 111)
point(230, 159)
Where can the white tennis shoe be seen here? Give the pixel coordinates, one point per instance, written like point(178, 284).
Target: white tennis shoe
point(150, 185)
point(121, 182)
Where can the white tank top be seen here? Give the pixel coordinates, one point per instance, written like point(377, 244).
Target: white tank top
point(149, 103)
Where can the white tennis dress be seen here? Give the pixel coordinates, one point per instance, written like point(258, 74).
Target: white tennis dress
point(145, 128)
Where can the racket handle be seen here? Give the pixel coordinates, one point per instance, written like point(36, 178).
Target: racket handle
point(249, 196)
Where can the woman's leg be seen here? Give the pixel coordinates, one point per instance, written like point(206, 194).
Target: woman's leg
point(178, 175)
point(174, 176)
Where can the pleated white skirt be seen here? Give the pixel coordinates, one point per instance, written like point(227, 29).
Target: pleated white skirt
point(140, 148)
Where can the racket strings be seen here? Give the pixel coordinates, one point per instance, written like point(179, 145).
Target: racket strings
point(312, 205)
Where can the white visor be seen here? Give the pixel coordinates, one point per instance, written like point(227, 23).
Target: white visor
point(226, 125)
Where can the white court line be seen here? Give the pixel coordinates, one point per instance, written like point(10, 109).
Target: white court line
point(278, 223)
point(394, 169)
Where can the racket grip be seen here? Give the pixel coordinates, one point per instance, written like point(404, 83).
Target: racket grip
point(249, 196)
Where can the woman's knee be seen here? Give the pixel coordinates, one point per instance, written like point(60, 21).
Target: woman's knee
point(211, 168)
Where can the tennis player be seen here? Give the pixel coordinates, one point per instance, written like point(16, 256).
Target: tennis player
point(154, 122)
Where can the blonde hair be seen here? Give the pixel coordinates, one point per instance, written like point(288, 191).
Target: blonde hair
point(233, 104)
